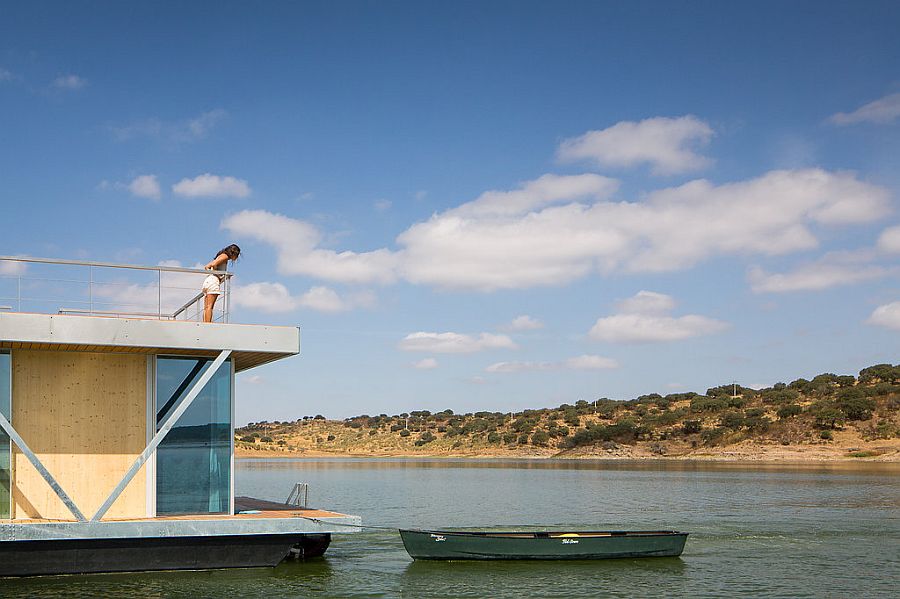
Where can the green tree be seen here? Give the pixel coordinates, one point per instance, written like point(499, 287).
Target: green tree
point(540, 438)
point(789, 410)
point(732, 420)
point(691, 427)
point(854, 404)
point(880, 372)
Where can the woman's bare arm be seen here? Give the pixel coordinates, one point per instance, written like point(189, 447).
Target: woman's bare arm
point(221, 260)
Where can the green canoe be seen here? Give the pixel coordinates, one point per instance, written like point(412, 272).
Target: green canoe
point(452, 545)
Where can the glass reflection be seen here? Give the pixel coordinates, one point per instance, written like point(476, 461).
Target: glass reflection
point(193, 463)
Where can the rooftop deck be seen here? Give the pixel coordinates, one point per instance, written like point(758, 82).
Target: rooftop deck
point(104, 307)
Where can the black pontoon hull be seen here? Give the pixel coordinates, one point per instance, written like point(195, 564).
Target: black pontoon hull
point(83, 556)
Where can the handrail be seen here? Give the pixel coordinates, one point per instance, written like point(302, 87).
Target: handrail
point(118, 301)
point(201, 271)
point(186, 306)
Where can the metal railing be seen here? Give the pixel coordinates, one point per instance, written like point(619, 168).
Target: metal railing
point(57, 286)
point(299, 496)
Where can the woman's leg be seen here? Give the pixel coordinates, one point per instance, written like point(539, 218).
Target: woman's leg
point(209, 302)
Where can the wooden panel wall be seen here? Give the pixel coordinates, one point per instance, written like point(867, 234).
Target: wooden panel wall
point(84, 415)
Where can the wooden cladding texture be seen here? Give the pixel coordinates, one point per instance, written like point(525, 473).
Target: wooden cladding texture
point(84, 415)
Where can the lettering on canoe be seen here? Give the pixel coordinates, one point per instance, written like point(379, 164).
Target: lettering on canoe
point(438, 538)
point(570, 541)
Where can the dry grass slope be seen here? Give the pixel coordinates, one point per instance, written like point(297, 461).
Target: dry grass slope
point(828, 417)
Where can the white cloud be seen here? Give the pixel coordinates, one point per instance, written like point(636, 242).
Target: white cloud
point(184, 131)
point(211, 186)
point(253, 379)
point(5, 75)
point(12, 269)
point(672, 229)
point(832, 270)
point(554, 230)
point(643, 319)
point(887, 316)
point(882, 110)
point(664, 143)
point(647, 302)
point(426, 364)
point(145, 186)
point(324, 299)
point(200, 126)
point(383, 205)
point(264, 296)
point(524, 323)
point(454, 343)
point(589, 362)
point(296, 242)
point(585, 362)
point(70, 82)
point(275, 297)
point(889, 240)
point(543, 191)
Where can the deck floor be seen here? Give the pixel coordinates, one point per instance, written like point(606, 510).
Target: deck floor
point(262, 510)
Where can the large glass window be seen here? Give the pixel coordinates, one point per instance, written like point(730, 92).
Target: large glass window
point(5, 449)
point(193, 463)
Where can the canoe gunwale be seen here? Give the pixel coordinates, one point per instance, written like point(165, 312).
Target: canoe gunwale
point(520, 534)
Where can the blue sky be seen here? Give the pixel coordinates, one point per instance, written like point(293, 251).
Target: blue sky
point(479, 205)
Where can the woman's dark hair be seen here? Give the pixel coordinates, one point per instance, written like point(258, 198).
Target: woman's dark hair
point(232, 251)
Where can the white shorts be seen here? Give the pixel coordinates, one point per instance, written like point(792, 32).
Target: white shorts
point(211, 285)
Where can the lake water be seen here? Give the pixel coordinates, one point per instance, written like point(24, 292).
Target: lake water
point(762, 531)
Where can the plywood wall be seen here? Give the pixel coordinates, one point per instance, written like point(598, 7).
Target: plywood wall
point(84, 415)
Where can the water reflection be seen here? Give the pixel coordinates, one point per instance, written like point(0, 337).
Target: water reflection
point(657, 465)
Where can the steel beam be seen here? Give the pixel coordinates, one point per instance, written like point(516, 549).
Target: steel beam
point(161, 434)
point(39, 466)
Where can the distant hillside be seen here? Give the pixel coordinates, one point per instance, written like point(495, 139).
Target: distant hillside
point(827, 416)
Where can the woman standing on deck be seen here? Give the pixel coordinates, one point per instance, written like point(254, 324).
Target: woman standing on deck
point(212, 284)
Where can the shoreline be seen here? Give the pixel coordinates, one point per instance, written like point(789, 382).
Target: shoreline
point(886, 452)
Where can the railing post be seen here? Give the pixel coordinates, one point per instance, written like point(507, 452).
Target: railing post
point(91, 288)
point(225, 304)
point(159, 294)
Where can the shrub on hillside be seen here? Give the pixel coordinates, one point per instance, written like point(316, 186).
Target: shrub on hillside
point(691, 427)
point(425, 438)
point(779, 396)
point(789, 410)
point(540, 438)
point(702, 403)
point(854, 404)
point(881, 389)
point(266, 439)
point(711, 436)
point(405, 433)
point(494, 437)
point(826, 414)
point(884, 373)
point(732, 420)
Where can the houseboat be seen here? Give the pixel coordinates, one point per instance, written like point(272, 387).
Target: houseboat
point(117, 426)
